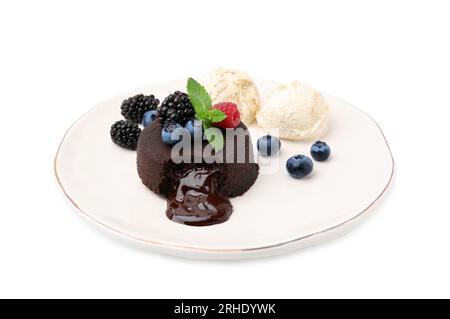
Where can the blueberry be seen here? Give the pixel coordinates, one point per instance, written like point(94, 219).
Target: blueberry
point(299, 166)
point(194, 125)
point(149, 117)
point(320, 151)
point(166, 133)
point(268, 145)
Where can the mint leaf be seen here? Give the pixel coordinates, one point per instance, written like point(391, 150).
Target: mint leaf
point(202, 116)
point(199, 97)
point(215, 115)
point(214, 137)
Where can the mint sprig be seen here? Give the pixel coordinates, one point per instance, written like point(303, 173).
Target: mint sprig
point(201, 101)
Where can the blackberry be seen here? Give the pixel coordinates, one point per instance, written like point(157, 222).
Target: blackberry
point(134, 107)
point(176, 108)
point(125, 134)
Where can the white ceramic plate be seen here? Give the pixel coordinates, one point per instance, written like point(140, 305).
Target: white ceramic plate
point(278, 214)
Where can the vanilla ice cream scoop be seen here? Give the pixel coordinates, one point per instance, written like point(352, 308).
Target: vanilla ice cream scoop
point(227, 85)
point(296, 111)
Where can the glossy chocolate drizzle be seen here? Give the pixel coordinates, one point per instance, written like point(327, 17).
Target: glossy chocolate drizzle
point(195, 200)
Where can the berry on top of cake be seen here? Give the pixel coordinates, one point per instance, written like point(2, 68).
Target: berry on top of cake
point(231, 111)
point(177, 108)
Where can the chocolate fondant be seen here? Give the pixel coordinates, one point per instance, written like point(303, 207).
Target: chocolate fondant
point(160, 174)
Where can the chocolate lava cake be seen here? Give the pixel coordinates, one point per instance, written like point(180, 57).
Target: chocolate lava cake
point(160, 174)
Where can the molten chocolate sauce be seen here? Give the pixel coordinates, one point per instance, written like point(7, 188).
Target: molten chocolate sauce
point(195, 201)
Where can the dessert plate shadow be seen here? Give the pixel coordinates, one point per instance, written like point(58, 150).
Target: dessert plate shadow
point(278, 214)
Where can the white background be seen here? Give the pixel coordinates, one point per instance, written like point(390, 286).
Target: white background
point(60, 58)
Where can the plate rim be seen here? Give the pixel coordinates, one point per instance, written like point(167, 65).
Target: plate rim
point(218, 250)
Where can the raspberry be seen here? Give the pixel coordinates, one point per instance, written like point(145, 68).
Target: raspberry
point(231, 111)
